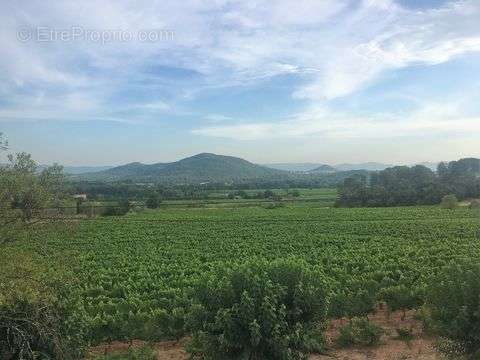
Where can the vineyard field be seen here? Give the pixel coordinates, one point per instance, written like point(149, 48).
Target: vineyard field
point(134, 272)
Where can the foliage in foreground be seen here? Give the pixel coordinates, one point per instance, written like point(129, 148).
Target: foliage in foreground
point(454, 303)
point(143, 353)
point(259, 311)
point(359, 331)
point(35, 322)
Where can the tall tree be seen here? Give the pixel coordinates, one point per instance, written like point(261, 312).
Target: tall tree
point(24, 192)
point(3, 143)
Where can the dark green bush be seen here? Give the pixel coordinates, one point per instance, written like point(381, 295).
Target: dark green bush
point(400, 297)
point(121, 209)
point(259, 311)
point(454, 301)
point(359, 331)
point(153, 201)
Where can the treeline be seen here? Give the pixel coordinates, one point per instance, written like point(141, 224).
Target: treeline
point(417, 185)
point(100, 190)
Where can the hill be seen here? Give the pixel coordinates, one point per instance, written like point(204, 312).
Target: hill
point(369, 166)
point(196, 169)
point(297, 167)
point(75, 170)
point(323, 169)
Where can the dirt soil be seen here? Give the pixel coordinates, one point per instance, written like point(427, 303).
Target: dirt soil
point(390, 348)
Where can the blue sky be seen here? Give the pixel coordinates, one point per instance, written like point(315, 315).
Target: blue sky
point(327, 81)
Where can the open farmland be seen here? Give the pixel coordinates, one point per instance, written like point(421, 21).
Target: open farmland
point(134, 272)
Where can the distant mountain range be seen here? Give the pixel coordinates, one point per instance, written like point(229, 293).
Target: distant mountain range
point(207, 167)
point(323, 169)
point(75, 170)
point(318, 168)
point(301, 167)
point(199, 168)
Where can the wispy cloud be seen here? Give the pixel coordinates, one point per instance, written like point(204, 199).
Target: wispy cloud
point(217, 118)
point(429, 120)
point(332, 48)
point(348, 44)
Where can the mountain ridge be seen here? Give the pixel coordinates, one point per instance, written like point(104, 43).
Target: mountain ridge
point(203, 167)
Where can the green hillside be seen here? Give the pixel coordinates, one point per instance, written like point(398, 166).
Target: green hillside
point(199, 168)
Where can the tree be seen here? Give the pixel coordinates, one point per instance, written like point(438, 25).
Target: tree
point(23, 193)
point(34, 322)
point(3, 143)
point(353, 191)
point(295, 193)
point(28, 194)
point(259, 311)
point(453, 298)
point(449, 202)
point(442, 170)
point(417, 185)
point(474, 204)
point(53, 181)
point(268, 194)
point(153, 201)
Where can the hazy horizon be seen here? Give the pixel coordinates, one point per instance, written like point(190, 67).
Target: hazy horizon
point(331, 81)
point(3, 159)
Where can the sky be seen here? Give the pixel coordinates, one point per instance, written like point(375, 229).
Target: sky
point(327, 81)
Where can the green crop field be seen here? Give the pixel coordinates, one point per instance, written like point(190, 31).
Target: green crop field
point(134, 271)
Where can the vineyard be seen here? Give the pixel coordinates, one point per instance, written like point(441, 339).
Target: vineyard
point(133, 273)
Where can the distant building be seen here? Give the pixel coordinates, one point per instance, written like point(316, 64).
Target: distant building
point(80, 196)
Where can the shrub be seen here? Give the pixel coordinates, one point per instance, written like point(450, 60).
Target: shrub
point(267, 194)
point(274, 205)
point(449, 202)
point(450, 349)
point(143, 353)
point(259, 311)
point(453, 298)
point(294, 193)
point(359, 331)
point(153, 201)
point(28, 328)
point(36, 322)
point(405, 334)
point(400, 298)
point(121, 209)
point(474, 205)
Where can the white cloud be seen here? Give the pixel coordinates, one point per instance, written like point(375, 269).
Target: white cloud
point(216, 118)
point(337, 46)
point(155, 106)
point(429, 120)
point(386, 37)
